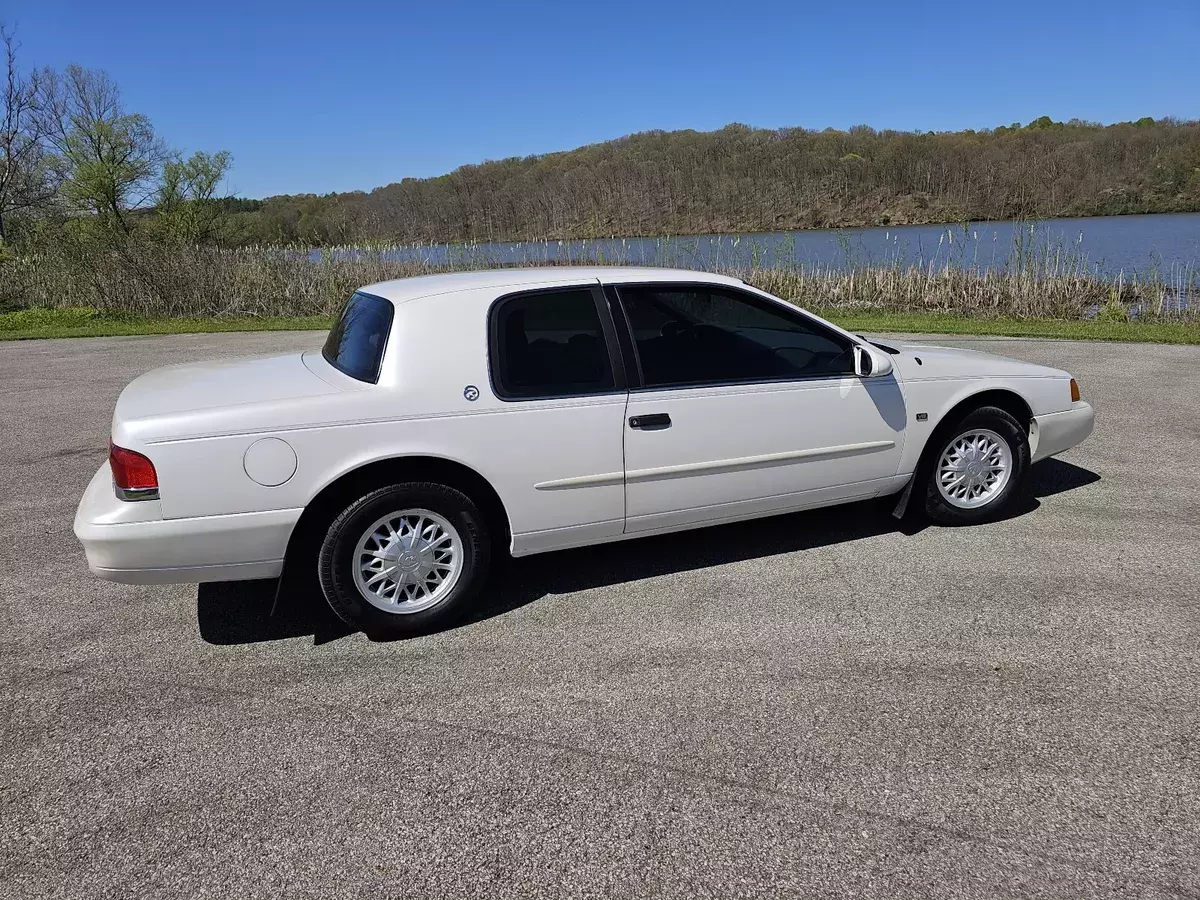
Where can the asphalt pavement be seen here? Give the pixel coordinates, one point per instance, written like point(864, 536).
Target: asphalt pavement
point(819, 705)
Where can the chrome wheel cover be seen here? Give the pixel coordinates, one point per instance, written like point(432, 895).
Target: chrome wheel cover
point(408, 561)
point(974, 468)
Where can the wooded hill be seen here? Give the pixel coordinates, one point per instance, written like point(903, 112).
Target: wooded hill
point(743, 179)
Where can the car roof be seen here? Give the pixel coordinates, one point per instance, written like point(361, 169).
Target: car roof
point(404, 289)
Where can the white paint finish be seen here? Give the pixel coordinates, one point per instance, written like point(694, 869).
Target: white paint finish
point(103, 508)
point(418, 408)
point(528, 544)
point(565, 469)
point(753, 508)
point(562, 484)
point(317, 364)
point(763, 460)
point(119, 551)
point(938, 396)
point(716, 466)
point(175, 390)
point(503, 281)
point(269, 462)
point(1061, 431)
point(193, 574)
point(514, 448)
point(953, 362)
point(794, 437)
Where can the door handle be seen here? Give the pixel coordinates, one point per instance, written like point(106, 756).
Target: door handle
point(653, 420)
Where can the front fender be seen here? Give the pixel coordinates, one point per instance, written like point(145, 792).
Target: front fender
point(935, 400)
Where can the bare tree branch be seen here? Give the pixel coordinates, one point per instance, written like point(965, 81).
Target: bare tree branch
point(26, 179)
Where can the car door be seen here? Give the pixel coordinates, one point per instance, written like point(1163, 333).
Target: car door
point(743, 406)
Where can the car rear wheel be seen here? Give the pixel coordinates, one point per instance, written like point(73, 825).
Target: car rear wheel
point(404, 559)
point(976, 469)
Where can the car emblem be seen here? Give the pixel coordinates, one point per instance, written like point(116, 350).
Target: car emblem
point(471, 392)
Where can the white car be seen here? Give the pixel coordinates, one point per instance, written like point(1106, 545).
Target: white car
point(450, 417)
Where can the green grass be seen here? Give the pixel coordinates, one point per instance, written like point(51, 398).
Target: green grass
point(28, 324)
point(1081, 330)
point(83, 322)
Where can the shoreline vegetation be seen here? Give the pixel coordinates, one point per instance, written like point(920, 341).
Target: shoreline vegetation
point(76, 322)
point(146, 288)
point(140, 275)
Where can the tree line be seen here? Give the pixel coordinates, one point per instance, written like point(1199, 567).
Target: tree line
point(78, 167)
point(742, 179)
point(74, 159)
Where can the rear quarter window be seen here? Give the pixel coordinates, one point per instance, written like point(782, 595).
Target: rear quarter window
point(357, 340)
point(549, 344)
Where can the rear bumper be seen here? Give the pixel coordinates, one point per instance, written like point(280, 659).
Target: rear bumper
point(132, 543)
point(1056, 432)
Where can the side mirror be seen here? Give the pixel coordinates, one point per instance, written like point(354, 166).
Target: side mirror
point(870, 362)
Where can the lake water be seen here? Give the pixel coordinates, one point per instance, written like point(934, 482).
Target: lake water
point(1165, 245)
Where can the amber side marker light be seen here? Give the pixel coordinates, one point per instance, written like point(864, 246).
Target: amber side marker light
point(1074, 391)
point(133, 474)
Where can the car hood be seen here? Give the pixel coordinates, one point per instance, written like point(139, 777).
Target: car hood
point(924, 361)
point(204, 385)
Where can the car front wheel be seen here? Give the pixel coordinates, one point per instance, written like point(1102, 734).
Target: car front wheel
point(404, 559)
point(978, 468)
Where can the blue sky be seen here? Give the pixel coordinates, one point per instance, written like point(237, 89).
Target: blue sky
point(317, 97)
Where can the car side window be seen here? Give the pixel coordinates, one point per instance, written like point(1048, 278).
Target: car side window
point(702, 334)
point(549, 344)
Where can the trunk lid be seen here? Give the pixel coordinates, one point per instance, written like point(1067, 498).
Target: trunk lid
point(222, 383)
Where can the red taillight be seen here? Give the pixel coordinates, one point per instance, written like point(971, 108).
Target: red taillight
point(131, 471)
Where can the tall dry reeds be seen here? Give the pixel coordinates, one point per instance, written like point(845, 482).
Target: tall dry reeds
point(150, 279)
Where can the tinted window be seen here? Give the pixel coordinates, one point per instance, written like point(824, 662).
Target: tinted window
point(355, 343)
point(549, 344)
point(692, 334)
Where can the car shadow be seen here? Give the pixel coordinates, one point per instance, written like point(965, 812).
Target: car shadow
point(1056, 476)
point(243, 612)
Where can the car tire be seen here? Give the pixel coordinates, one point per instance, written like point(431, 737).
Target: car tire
point(405, 559)
point(975, 468)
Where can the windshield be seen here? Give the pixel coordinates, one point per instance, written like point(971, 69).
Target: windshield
point(355, 343)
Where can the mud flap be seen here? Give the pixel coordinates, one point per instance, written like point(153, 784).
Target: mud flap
point(279, 587)
point(902, 503)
